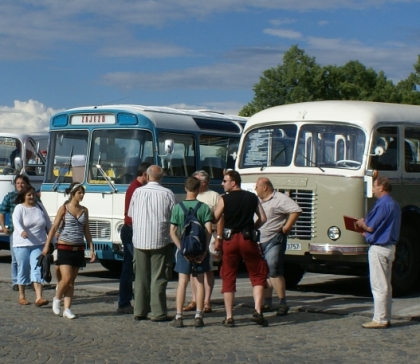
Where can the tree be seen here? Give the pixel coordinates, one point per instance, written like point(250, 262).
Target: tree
point(300, 79)
point(296, 80)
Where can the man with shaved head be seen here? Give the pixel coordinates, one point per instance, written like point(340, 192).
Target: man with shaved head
point(282, 212)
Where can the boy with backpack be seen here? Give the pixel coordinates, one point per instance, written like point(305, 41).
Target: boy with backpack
point(190, 230)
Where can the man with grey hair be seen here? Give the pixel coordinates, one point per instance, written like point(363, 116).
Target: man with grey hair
point(210, 198)
point(150, 210)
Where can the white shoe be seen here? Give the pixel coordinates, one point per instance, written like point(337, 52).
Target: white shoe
point(67, 313)
point(56, 306)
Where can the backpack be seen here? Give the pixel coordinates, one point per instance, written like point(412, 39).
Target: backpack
point(193, 236)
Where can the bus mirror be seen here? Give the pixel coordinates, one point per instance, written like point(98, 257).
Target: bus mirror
point(169, 146)
point(368, 186)
point(18, 164)
point(379, 150)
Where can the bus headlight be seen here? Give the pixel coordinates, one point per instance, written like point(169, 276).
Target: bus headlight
point(334, 233)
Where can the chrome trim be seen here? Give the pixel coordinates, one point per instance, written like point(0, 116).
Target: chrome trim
point(337, 249)
point(304, 228)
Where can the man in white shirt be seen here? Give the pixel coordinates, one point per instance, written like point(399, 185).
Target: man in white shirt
point(150, 211)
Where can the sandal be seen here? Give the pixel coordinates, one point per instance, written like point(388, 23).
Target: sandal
point(23, 302)
point(228, 322)
point(191, 306)
point(207, 307)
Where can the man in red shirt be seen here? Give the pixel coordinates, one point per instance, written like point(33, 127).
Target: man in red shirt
point(125, 294)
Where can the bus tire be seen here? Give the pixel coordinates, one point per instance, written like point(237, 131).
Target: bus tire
point(293, 274)
point(111, 265)
point(405, 268)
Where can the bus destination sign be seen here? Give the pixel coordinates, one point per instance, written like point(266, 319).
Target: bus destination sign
point(83, 119)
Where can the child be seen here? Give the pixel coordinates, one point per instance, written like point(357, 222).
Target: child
point(202, 263)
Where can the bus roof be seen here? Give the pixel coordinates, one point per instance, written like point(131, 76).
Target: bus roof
point(160, 109)
point(167, 118)
point(362, 113)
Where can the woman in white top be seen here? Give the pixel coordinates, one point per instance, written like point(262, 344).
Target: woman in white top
point(30, 233)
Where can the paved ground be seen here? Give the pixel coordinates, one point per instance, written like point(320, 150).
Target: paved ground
point(321, 327)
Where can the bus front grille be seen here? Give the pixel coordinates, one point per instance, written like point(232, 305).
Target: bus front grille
point(100, 229)
point(304, 226)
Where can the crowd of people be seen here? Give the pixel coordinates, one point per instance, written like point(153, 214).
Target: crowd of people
point(239, 226)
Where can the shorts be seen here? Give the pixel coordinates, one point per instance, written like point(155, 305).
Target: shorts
point(26, 259)
point(183, 266)
point(69, 257)
point(274, 250)
point(233, 250)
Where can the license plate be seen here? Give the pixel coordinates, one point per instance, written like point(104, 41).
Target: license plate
point(293, 246)
point(87, 253)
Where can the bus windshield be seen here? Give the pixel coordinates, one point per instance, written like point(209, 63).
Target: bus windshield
point(331, 146)
point(314, 145)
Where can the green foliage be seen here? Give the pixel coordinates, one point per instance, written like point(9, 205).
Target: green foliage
point(299, 78)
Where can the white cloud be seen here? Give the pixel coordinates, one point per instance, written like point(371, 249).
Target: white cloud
point(25, 117)
point(395, 59)
point(283, 33)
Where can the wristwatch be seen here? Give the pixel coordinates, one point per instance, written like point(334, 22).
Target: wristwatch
point(219, 237)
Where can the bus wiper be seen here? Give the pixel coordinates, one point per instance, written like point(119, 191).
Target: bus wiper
point(310, 161)
point(105, 176)
point(275, 157)
point(66, 164)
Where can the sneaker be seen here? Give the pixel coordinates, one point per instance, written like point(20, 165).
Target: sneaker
point(199, 322)
point(375, 325)
point(68, 314)
point(178, 323)
point(56, 306)
point(259, 319)
point(129, 310)
point(283, 310)
point(228, 322)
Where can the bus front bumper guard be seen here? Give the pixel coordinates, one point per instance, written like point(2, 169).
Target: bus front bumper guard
point(329, 249)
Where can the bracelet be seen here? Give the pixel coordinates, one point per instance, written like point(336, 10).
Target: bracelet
point(219, 237)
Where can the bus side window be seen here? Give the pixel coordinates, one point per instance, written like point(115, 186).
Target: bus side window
point(411, 149)
point(388, 161)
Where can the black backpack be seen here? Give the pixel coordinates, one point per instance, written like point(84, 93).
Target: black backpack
point(193, 235)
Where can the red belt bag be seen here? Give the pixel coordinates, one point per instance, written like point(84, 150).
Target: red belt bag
point(74, 248)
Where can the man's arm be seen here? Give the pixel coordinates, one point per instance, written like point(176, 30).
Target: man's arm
point(262, 218)
point(293, 216)
point(218, 211)
point(361, 224)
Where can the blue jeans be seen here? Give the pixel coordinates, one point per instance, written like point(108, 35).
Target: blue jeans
point(274, 250)
point(13, 264)
point(126, 279)
point(26, 257)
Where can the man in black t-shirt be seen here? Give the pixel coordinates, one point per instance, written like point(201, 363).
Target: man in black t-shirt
point(238, 208)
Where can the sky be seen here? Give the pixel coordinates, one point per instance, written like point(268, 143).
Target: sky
point(56, 55)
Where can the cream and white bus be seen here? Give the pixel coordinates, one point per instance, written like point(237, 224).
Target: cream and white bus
point(324, 156)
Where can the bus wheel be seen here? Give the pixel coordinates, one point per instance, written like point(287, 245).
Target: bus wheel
point(111, 265)
point(405, 269)
point(293, 273)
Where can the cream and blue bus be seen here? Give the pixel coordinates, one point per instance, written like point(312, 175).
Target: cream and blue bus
point(324, 155)
point(102, 146)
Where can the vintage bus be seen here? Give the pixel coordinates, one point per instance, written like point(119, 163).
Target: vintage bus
point(324, 155)
point(13, 162)
point(102, 146)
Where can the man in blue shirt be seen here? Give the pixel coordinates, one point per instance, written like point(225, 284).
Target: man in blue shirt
point(381, 230)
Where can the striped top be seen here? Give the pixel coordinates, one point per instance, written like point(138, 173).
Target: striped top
point(73, 232)
point(150, 209)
